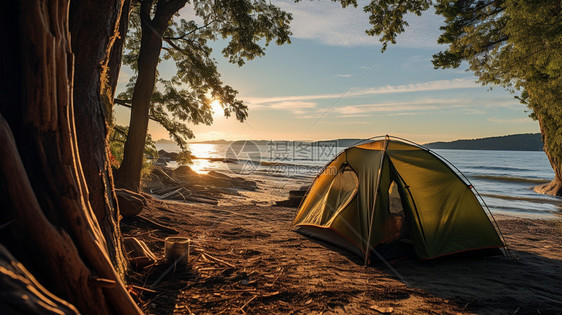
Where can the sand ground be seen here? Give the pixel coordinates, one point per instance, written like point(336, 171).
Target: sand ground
point(246, 259)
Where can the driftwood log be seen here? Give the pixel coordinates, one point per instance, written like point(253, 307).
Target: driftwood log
point(295, 198)
point(139, 254)
point(184, 184)
point(130, 203)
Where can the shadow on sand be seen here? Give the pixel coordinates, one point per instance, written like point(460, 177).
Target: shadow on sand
point(529, 284)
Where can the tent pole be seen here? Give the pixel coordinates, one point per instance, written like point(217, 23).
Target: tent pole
point(385, 146)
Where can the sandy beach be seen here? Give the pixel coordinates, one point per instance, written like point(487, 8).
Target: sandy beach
point(246, 259)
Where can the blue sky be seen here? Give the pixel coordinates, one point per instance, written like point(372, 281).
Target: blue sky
point(333, 82)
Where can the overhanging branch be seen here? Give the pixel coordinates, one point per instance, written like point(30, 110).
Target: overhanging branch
point(190, 32)
point(161, 122)
point(128, 104)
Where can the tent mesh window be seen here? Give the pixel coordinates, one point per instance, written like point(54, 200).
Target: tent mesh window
point(395, 202)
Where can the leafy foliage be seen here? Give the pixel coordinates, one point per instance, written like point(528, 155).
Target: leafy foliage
point(247, 26)
point(387, 17)
point(184, 158)
point(117, 139)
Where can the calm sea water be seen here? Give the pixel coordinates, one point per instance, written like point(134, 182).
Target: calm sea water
point(503, 178)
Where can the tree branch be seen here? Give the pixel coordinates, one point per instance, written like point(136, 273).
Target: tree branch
point(492, 44)
point(171, 43)
point(166, 9)
point(480, 16)
point(128, 104)
point(191, 32)
point(119, 130)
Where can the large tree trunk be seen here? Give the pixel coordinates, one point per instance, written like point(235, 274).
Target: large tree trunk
point(48, 222)
point(96, 22)
point(128, 175)
point(549, 129)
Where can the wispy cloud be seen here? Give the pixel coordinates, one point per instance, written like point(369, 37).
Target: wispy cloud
point(415, 105)
point(329, 24)
point(419, 87)
point(389, 89)
point(353, 115)
point(400, 114)
point(347, 75)
point(474, 111)
point(307, 106)
point(397, 108)
point(510, 121)
point(293, 105)
point(296, 107)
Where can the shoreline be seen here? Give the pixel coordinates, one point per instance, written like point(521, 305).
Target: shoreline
point(268, 193)
point(504, 194)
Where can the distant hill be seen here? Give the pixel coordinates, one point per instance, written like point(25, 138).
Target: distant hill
point(344, 143)
point(518, 142)
point(338, 142)
point(220, 141)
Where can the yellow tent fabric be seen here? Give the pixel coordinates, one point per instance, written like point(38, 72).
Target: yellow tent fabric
point(353, 203)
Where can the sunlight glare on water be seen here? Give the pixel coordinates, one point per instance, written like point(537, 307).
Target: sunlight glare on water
point(203, 151)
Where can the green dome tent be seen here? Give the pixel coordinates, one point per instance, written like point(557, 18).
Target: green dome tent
point(390, 193)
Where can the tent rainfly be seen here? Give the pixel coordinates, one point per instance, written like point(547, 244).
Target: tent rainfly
point(390, 197)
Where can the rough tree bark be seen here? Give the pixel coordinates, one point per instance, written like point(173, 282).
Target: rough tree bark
point(48, 222)
point(116, 55)
point(128, 175)
point(96, 22)
point(549, 128)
